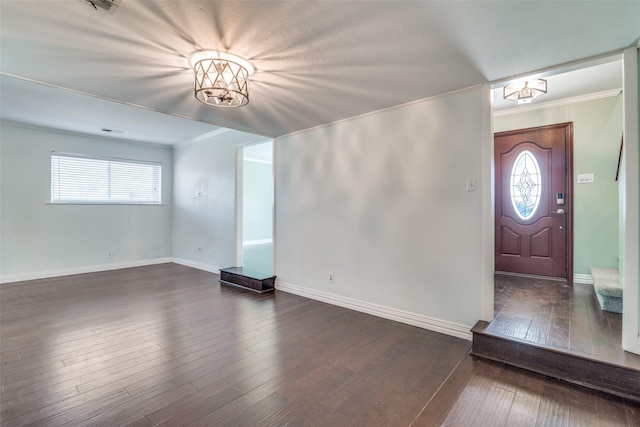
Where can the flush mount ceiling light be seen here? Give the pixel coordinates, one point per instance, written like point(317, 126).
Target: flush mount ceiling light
point(525, 92)
point(221, 79)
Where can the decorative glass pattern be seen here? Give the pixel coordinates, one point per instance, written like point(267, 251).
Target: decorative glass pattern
point(525, 185)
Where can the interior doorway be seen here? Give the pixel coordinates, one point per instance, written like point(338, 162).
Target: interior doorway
point(533, 201)
point(257, 190)
point(625, 193)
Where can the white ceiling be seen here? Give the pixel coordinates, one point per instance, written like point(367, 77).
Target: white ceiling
point(591, 80)
point(67, 66)
point(261, 152)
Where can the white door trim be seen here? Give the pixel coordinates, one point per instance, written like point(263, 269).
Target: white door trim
point(238, 204)
point(630, 204)
point(488, 206)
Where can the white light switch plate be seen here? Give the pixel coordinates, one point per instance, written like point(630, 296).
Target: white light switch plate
point(584, 178)
point(472, 184)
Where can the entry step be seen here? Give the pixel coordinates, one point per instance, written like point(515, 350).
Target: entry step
point(618, 379)
point(251, 279)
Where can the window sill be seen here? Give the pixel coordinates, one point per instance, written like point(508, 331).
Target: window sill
point(103, 204)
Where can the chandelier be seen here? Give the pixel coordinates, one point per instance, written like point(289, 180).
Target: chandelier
point(220, 79)
point(525, 92)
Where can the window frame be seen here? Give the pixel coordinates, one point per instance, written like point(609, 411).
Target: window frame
point(538, 184)
point(157, 201)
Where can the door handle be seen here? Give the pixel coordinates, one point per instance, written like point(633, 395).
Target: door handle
point(559, 212)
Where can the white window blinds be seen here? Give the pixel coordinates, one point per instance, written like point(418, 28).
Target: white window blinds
point(82, 179)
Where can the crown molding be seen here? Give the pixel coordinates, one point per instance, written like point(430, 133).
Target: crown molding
point(559, 103)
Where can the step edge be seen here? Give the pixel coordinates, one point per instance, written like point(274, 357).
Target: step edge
point(553, 374)
point(575, 354)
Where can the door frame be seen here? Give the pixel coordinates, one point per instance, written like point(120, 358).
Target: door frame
point(239, 204)
point(568, 126)
point(630, 203)
point(629, 196)
point(239, 213)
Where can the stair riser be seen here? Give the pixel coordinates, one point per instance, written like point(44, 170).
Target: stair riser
point(259, 285)
point(589, 373)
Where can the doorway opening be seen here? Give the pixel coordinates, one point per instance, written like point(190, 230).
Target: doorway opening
point(256, 222)
point(597, 117)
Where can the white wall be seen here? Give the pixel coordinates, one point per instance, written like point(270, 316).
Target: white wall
point(38, 238)
point(204, 223)
point(380, 201)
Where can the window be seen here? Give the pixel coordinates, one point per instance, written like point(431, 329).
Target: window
point(83, 179)
point(526, 185)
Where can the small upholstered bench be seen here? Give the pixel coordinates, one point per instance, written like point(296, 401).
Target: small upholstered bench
point(606, 283)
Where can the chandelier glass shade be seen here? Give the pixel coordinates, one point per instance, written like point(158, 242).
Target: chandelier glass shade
point(525, 92)
point(221, 82)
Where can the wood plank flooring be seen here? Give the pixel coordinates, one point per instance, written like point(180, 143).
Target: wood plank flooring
point(166, 345)
point(560, 315)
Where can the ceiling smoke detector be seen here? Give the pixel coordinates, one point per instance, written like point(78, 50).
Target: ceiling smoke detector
point(109, 6)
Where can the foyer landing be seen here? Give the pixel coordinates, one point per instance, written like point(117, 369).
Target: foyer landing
point(256, 274)
point(558, 329)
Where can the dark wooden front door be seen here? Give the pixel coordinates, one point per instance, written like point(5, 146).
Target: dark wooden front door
point(534, 201)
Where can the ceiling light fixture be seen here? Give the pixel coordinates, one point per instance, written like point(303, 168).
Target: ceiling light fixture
point(221, 79)
point(525, 92)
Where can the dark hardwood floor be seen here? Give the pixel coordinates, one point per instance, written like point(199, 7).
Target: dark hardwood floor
point(167, 345)
point(564, 316)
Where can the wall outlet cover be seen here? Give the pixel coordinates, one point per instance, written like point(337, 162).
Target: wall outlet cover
point(584, 178)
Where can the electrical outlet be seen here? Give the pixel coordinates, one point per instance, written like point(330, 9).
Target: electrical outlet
point(332, 278)
point(109, 254)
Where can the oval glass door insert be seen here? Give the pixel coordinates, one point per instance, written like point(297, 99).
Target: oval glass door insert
point(526, 185)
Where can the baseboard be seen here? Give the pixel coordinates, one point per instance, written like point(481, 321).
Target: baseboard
point(257, 242)
point(419, 320)
point(22, 277)
point(197, 265)
point(584, 279)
